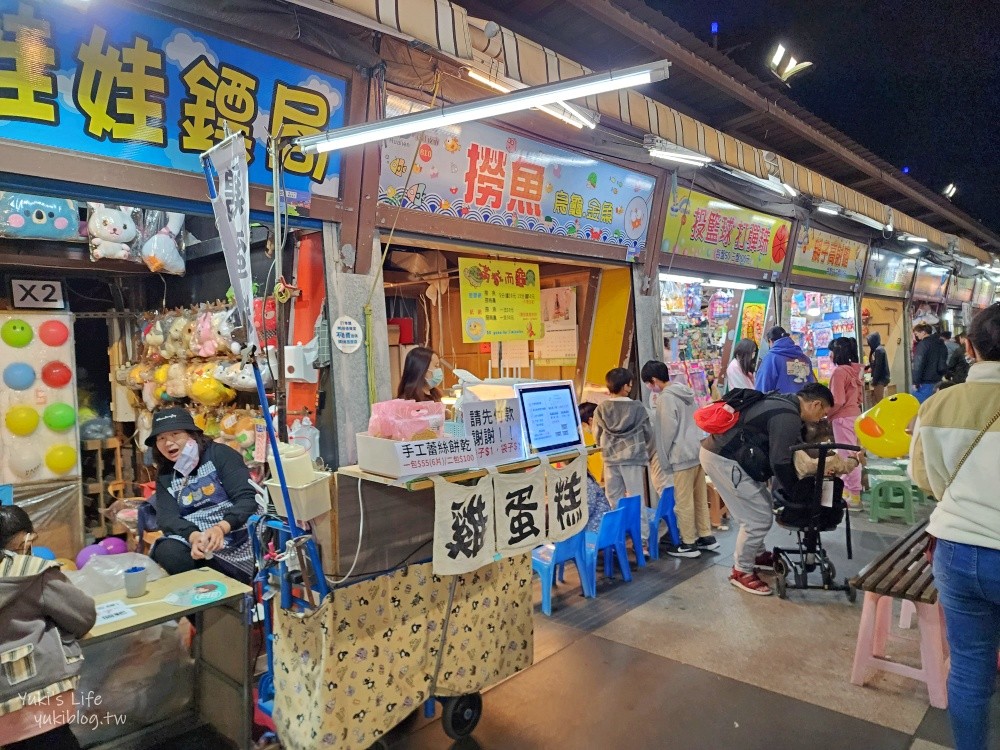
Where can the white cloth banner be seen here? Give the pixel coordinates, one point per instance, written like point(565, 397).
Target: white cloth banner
point(229, 191)
point(566, 490)
point(519, 511)
point(464, 537)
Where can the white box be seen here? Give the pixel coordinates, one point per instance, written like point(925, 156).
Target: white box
point(308, 500)
point(395, 459)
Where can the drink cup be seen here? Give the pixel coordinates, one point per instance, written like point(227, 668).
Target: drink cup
point(135, 582)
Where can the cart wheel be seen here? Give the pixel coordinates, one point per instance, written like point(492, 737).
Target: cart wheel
point(829, 575)
point(460, 715)
point(379, 744)
point(782, 585)
point(852, 593)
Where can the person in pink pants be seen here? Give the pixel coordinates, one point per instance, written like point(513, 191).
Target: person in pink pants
point(847, 385)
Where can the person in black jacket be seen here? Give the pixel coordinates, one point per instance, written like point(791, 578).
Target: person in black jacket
point(930, 361)
point(878, 365)
point(203, 500)
point(958, 364)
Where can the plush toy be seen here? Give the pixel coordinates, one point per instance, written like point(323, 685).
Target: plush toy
point(222, 323)
point(161, 242)
point(203, 341)
point(244, 379)
point(111, 230)
point(265, 320)
point(177, 386)
point(175, 347)
point(149, 396)
point(208, 391)
point(35, 217)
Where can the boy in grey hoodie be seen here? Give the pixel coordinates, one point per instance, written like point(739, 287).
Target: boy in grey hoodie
point(623, 431)
point(678, 445)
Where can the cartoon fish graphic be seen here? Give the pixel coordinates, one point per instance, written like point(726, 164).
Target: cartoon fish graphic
point(398, 166)
point(452, 145)
point(548, 187)
point(415, 195)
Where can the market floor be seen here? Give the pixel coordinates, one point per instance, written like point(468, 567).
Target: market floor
point(679, 659)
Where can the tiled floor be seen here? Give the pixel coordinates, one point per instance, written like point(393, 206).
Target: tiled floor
point(679, 659)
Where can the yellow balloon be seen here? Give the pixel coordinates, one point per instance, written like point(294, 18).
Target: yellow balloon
point(21, 420)
point(65, 563)
point(882, 429)
point(60, 458)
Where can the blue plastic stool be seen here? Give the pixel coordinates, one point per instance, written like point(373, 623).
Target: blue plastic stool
point(664, 511)
point(610, 538)
point(546, 558)
point(632, 525)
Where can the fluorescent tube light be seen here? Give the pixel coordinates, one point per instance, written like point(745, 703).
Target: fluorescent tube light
point(912, 238)
point(778, 54)
point(535, 96)
point(575, 116)
point(828, 210)
point(730, 284)
point(914, 251)
point(681, 278)
point(693, 160)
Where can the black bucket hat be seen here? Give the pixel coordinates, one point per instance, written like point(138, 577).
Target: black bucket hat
point(170, 420)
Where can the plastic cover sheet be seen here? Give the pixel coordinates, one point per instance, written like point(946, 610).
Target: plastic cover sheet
point(56, 510)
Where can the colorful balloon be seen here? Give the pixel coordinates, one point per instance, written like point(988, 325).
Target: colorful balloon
point(114, 545)
point(25, 462)
point(60, 458)
point(882, 429)
point(19, 376)
point(65, 563)
point(55, 374)
point(53, 333)
point(59, 416)
point(15, 332)
point(92, 550)
point(21, 420)
point(43, 552)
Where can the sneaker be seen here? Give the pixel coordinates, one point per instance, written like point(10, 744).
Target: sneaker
point(707, 544)
point(764, 561)
point(683, 550)
point(749, 582)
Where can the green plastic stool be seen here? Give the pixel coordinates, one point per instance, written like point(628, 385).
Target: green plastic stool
point(891, 498)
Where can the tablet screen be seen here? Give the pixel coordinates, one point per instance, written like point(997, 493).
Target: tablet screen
point(551, 416)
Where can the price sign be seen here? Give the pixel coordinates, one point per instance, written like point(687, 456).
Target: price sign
point(495, 430)
point(37, 294)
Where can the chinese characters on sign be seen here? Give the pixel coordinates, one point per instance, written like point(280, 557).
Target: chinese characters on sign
point(888, 272)
point(118, 84)
point(700, 226)
point(566, 489)
point(500, 300)
point(520, 511)
point(479, 173)
point(429, 456)
point(464, 537)
point(347, 334)
point(495, 429)
point(824, 255)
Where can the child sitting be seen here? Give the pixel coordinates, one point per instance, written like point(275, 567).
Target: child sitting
point(597, 501)
point(807, 462)
point(624, 433)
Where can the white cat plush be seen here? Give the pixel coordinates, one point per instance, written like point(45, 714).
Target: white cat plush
point(111, 230)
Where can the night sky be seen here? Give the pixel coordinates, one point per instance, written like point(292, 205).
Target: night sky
point(915, 81)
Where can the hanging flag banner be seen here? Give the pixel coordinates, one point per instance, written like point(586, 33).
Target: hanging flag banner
point(229, 192)
point(480, 173)
point(822, 256)
point(519, 510)
point(500, 300)
point(464, 537)
point(566, 489)
point(700, 226)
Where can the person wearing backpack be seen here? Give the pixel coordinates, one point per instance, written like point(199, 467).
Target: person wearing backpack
point(930, 361)
point(742, 459)
point(785, 368)
point(678, 443)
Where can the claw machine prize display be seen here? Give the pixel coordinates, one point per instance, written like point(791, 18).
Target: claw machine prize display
point(814, 320)
point(40, 438)
point(696, 325)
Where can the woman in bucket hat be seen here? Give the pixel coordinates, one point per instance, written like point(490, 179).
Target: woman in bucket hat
point(203, 499)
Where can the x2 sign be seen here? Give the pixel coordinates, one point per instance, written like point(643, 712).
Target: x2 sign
point(37, 294)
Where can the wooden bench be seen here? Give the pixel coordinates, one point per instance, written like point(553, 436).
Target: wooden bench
point(902, 572)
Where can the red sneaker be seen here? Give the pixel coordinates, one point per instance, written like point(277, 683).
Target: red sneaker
point(749, 582)
point(764, 561)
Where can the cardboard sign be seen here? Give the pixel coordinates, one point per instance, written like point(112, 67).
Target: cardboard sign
point(495, 430)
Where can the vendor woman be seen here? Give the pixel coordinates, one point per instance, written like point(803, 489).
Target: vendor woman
point(203, 500)
point(422, 376)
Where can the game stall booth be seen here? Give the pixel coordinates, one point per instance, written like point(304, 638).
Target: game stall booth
point(888, 278)
point(719, 285)
point(820, 302)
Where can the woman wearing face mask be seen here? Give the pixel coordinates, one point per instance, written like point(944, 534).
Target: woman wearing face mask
point(422, 376)
point(203, 500)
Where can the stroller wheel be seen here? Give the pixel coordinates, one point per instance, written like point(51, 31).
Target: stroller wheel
point(781, 585)
point(829, 575)
point(852, 593)
point(780, 569)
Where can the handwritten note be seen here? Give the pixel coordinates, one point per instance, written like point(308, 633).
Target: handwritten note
point(113, 612)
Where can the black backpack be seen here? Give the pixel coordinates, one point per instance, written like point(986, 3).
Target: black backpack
point(749, 447)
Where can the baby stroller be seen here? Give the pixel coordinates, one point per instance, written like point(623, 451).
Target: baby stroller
point(806, 513)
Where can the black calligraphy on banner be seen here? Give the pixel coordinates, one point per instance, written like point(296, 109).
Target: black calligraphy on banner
point(520, 511)
point(464, 534)
point(567, 499)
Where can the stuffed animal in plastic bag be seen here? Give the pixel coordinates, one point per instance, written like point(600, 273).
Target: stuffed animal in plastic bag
point(111, 230)
point(162, 242)
point(175, 346)
point(177, 386)
point(225, 340)
point(35, 217)
point(154, 335)
point(203, 342)
point(208, 391)
point(265, 320)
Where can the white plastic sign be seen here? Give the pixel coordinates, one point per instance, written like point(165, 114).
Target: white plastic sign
point(41, 294)
point(430, 456)
point(347, 334)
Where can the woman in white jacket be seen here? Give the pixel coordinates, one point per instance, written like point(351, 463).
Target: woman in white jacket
point(741, 368)
point(965, 421)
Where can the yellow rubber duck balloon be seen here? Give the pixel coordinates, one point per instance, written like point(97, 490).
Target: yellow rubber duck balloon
point(882, 429)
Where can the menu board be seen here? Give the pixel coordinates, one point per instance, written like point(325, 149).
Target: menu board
point(961, 289)
point(823, 255)
point(700, 226)
point(931, 281)
point(551, 416)
point(889, 273)
point(501, 300)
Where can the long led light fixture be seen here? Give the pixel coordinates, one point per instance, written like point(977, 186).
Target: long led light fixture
point(573, 116)
point(693, 160)
point(481, 109)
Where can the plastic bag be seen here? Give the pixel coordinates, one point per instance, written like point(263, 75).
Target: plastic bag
point(103, 573)
point(163, 241)
point(400, 419)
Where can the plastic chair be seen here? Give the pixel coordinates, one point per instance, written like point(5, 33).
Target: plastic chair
point(610, 538)
point(665, 512)
point(892, 498)
point(632, 525)
point(545, 560)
